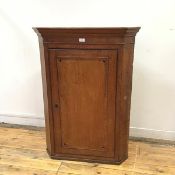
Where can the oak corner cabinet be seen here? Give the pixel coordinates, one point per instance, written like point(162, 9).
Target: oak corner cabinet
point(87, 80)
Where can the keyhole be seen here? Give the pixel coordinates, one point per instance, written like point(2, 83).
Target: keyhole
point(56, 105)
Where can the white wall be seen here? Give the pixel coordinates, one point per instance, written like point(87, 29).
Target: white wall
point(153, 98)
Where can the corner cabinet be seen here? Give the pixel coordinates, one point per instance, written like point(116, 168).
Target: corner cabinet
point(87, 80)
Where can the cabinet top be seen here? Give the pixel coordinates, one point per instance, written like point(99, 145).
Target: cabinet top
point(128, 31)
point(113, 35)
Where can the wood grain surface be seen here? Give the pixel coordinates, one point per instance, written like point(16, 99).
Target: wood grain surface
point(22, 151)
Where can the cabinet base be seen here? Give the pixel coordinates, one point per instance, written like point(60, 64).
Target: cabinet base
point(83, 159)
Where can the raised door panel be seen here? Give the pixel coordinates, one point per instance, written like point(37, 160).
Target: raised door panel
point(83, 95)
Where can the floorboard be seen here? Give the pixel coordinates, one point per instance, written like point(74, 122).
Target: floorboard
point(23, 153)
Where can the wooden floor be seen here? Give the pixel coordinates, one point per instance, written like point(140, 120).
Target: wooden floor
point(22, 152)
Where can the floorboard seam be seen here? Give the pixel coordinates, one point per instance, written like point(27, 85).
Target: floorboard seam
point(58, 168)
point(133, 170)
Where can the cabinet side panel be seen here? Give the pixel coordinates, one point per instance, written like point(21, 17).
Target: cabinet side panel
point(125, 64)
point(46, 94)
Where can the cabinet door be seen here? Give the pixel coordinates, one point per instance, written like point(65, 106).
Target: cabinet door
point(83, 97)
